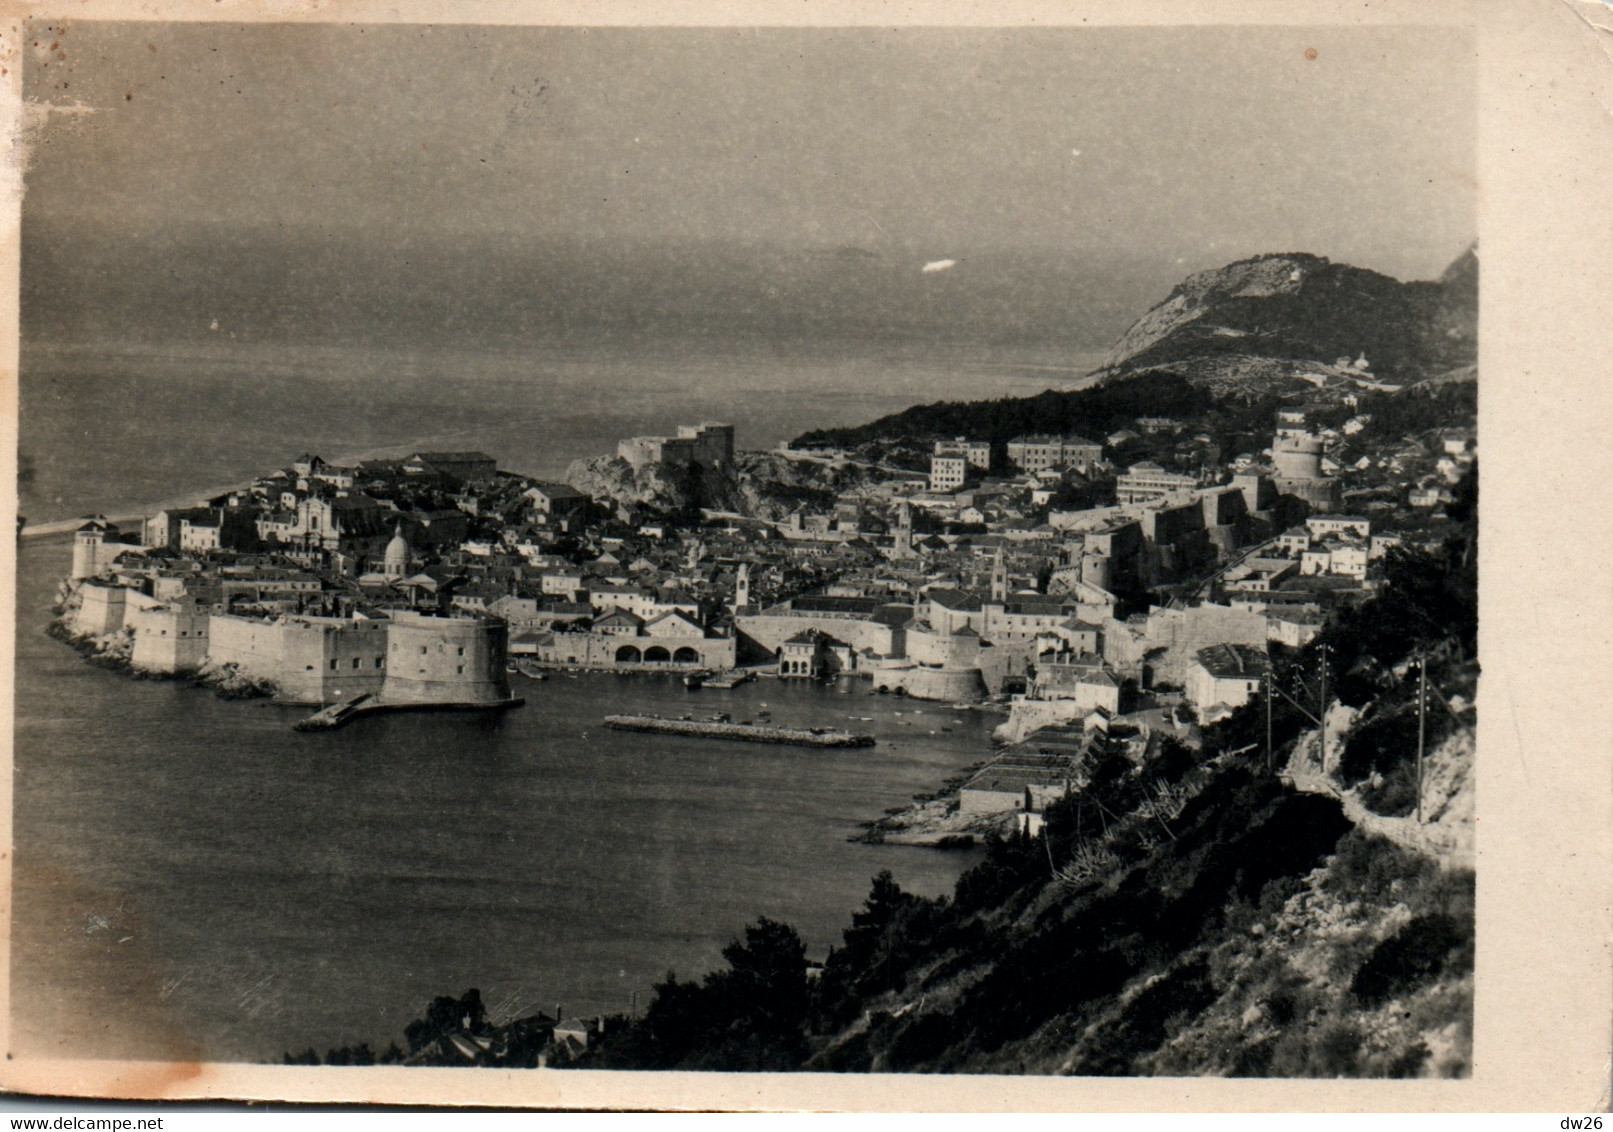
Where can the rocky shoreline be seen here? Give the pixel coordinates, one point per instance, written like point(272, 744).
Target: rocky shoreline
point(933, 821)
point(114, 652)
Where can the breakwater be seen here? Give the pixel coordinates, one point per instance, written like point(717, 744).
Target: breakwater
point(337, 715)
point(743, 732)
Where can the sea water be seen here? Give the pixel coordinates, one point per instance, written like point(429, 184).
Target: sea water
point(194, 879)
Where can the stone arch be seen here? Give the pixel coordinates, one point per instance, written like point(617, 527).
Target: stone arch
point(656, 654)
point(686, 655)
point(628, 654)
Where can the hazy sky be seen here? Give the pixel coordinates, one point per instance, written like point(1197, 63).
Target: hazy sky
point(1178, 149)
point(1185, 140)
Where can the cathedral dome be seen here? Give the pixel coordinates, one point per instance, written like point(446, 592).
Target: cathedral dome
point(397, 553)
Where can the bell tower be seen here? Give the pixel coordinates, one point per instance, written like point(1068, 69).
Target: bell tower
point(87, 542)
point(903, 547)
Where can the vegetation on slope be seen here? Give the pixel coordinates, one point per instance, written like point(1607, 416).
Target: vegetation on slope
point(1305, 308)
point(1195, 915)
point(1227, 343)
point(1093, 412)
point(1190, 916)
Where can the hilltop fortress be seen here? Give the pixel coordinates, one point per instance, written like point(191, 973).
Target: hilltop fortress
point(707, 445)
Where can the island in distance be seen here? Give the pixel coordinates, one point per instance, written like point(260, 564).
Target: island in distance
point(1223, 598)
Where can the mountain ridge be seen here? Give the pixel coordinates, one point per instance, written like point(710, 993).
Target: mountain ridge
point(1274, 317)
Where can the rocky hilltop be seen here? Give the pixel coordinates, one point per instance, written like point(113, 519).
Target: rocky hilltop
point(1228, 339)
point(1260, 323)
point(761, 485)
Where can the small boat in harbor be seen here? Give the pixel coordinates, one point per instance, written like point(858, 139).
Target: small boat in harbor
point(696, 677)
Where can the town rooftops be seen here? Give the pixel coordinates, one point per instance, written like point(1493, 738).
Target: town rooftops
point(1013, 780)
point(1233, 662)
point(820, 603)
point(1048, 438)
point(960, 601)
point(557, 490)
point(451, 457)
point(1035, 606)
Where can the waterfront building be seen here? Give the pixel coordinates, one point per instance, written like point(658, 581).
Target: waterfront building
point(868, 625)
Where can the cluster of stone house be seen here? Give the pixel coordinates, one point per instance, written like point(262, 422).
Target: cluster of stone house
point(1050, 762)
point(995, 601)
point(954, 462)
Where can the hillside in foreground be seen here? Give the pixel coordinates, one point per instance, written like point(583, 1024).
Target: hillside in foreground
point(1218, 911)
point(1200, 914)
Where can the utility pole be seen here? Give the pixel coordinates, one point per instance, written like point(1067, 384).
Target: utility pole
point(1422, 712)
point(1269, 673)
point(1321, 712)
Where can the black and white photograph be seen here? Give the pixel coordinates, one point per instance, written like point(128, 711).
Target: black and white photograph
point(825, 550)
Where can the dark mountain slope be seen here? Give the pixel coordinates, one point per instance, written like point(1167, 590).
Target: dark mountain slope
point(1298, 308)
point(1247, 332)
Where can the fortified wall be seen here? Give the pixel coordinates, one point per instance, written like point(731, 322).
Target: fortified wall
point(311, 660)
point(442, 660)
point(404, 658)
point(767, 632)
point(1163, 645)
point(949, 685)
point(168, 638)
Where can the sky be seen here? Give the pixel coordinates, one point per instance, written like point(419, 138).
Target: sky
point(683, 159)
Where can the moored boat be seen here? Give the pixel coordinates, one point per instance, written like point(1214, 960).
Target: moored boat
point(745, 732)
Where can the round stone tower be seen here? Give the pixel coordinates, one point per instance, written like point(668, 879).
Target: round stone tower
point(445, 660)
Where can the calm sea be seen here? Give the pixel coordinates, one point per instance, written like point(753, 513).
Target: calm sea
point(115, 430)
point(193, 879)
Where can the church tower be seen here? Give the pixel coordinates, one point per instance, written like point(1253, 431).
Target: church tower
point(742, 588)
point(999, 580)
point(903, 547)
